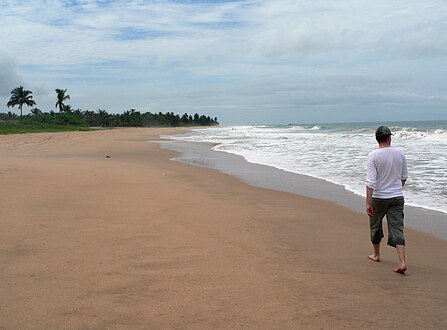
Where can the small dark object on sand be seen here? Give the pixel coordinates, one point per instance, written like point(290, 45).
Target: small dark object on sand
point(108, 156)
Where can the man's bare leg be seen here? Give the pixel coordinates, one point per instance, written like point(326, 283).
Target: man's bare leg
point(402, 267)
point(376, 256)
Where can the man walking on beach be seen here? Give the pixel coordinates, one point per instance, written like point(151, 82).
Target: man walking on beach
point(386, 175)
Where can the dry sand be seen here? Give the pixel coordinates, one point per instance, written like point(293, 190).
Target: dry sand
point(137, 241)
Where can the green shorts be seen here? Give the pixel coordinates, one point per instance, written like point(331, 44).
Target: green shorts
point(393, 208)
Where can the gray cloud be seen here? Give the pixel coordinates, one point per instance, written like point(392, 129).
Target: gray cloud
point(9, 79)
point(424, 41)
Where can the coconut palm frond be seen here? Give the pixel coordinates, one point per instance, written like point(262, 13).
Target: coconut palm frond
point(20, 97)
point(61, 98)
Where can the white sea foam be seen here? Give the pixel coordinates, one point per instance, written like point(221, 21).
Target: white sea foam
point(337, 153)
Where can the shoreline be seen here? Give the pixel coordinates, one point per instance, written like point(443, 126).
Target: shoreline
point(201, 154)
point(102, 230)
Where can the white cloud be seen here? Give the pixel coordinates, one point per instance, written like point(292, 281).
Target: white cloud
point(249, 54)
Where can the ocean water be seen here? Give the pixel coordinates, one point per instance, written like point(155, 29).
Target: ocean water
point(337, 153)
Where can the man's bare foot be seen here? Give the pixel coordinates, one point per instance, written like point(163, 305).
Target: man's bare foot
point(375, 258)
point(401, 269)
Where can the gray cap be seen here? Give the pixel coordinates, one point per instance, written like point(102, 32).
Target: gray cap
point(382, 131)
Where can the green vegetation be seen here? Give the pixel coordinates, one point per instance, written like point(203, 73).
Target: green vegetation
point(17, 128)
point(68, 119)
point(11, 123)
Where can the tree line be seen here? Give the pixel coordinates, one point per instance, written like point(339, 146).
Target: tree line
point(66, 115)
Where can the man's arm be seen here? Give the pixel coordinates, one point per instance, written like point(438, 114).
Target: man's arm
point(404, 174)
point(369, 208)
point(371, 176)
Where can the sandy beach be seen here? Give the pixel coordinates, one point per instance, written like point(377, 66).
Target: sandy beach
point(101, 230)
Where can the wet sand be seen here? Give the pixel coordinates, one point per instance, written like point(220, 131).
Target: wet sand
point(137, 241)
point(202, 154)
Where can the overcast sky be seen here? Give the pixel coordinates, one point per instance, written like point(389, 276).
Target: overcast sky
point(246, 62)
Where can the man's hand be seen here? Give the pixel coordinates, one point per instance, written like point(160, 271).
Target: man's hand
point(369, 210)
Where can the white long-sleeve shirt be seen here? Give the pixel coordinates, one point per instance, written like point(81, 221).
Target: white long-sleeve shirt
point(386, 168)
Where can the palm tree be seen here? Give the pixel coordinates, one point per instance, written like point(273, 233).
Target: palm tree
point(20, 96)
point(68, 108)
point(36, 112)
point(104, 118)
point(61, 97)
